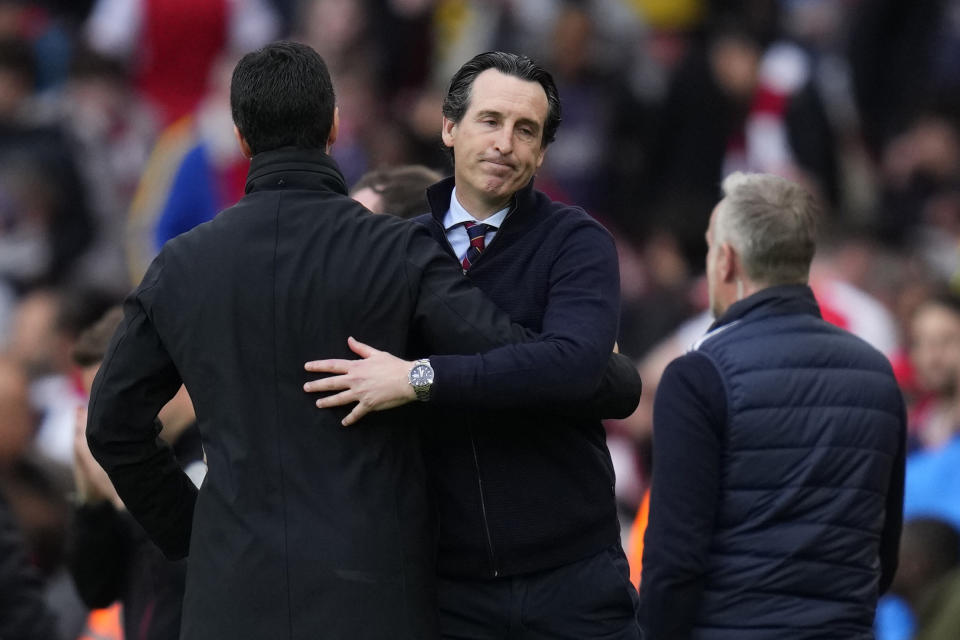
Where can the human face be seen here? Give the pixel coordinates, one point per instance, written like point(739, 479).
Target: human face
point(498, 144)
point(935, 349)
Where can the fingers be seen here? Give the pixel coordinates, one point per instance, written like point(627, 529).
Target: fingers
point(358, 412)
point(340, 365)
point(333, 383)
point(337, 400)
point(359, 348)
point(328, 366)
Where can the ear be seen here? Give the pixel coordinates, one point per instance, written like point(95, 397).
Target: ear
point(728, 263)
point(541, 156)
point(448, 131)
point(244, 145)
point(334, 128)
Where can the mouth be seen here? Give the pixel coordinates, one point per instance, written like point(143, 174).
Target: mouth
point(498, 163)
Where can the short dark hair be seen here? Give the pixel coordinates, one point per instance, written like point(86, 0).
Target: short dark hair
point(402, 189)
point(458, 94)
point(91, 345)
point(282, 96)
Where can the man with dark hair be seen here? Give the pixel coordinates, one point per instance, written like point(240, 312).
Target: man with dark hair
point(301, 529)
point(778, 447)
point(398, 191)
point(529, 536)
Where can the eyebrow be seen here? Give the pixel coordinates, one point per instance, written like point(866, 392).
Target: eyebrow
point(496, 114)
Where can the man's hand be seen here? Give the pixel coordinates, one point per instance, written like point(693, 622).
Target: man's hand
point(376, 382)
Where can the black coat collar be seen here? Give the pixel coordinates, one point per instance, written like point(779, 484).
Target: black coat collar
point(289, 168)
point(779, 300)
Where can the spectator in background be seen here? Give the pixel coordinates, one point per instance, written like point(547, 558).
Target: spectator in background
point(45, 328)
point(195, 170)
point(778, 446)
point(112, 131)
point(23, 612)
point(45, 225)
point(34, 518)
point(919, 206)
point(173, 45)
point(17, 418)
point(111, 558)
point(739, 102)
point(928, 578)
point(935, 355)
point(399, 191)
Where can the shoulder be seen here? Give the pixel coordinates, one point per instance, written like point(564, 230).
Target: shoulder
point(856, 349)
point(423, 219)
point(561, 213)
point(691, 392)
point(694, 372)
point(569, 224)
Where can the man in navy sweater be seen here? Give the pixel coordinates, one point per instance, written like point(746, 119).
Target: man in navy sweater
point(778, 448)
point(529, 541)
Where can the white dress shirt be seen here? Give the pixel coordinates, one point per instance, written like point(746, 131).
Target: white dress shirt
point(457, 234)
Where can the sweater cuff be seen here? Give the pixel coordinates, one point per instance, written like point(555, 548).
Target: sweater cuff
point(451, 379)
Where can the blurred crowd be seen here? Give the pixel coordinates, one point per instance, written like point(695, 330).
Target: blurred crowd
point(116, 135)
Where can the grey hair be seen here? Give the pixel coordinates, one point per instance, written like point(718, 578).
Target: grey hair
point(771, 222)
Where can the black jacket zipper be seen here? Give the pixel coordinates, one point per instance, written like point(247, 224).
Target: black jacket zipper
point(483, 508)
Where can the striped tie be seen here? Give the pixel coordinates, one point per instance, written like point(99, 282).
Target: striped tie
point(476, 232)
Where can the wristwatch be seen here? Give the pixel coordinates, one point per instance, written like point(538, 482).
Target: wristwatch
point(421, 379)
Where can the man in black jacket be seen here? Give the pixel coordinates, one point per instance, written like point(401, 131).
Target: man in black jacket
point(301, 529)
point(778, 446)
point(529, 536)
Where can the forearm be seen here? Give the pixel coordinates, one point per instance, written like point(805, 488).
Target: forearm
point(136, 379)
point(575, 336)
point(155, 490)
point(619, 392)
point(545, 373)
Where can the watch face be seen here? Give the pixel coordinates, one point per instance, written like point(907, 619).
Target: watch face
point(421, 375)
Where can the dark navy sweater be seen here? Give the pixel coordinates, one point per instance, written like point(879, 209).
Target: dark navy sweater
point(520, 490)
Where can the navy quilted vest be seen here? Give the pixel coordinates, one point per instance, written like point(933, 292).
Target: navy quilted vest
point(813, 427)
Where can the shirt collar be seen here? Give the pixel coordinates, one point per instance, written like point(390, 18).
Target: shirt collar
point(458, 215)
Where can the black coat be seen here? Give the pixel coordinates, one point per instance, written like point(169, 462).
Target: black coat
point(302, 528)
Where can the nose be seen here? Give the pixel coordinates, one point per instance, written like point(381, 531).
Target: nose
point(503, 142)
